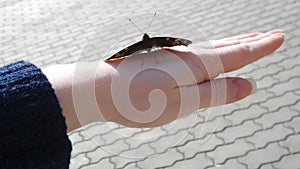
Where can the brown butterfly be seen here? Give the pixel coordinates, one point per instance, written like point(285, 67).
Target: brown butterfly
point(147, 43)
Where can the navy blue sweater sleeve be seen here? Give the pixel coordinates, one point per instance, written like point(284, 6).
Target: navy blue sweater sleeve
point(32, 127)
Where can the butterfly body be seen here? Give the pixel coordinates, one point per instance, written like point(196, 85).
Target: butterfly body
point(147, 43)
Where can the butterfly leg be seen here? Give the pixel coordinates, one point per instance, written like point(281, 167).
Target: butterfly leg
point(142, 61)
point(155, 59)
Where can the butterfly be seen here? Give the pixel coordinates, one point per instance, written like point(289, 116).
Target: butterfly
point(147, 43)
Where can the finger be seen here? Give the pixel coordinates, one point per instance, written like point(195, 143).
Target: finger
point(241, 36)
point(253, 34)
point(223, 42)
point(212, 62)
point(242, 39)
point(237, 56)
point(223, 91)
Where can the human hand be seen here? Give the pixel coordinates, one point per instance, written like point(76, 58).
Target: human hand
point(181, 75)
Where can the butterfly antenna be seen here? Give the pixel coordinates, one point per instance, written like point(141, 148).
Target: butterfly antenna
point(135, 26)
point(151, 21)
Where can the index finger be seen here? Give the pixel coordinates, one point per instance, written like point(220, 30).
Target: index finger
point(237, 56)
point(232, 57)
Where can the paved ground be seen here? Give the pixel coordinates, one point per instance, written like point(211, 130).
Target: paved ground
point(262, 131)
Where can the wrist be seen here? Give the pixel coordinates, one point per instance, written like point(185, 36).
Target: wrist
point(60, 77)
point(83, 91)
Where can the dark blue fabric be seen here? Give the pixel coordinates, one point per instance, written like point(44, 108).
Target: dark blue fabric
point(33, 132)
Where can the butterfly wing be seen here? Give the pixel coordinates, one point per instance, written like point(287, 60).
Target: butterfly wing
point(169, 41)
point(147, 44)
point(128, 50)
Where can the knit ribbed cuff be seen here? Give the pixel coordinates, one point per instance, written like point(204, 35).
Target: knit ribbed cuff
point(32, 127)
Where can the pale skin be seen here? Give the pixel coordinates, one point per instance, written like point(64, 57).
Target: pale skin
point(232, 53)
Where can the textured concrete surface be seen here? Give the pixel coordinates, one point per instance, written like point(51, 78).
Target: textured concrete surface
point(261, 131)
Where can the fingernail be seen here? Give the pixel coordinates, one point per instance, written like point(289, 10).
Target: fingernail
point(278, 34)
point(276, 31)
point(253, 84)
